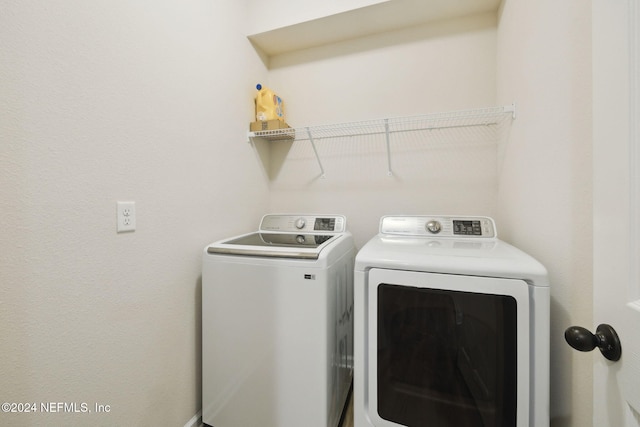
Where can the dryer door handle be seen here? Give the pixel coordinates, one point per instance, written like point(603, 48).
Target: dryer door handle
point(605, 338)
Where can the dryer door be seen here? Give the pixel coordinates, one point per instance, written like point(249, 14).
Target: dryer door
point(447, 350)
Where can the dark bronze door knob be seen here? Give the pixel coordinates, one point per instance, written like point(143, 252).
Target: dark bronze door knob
point(605, 338)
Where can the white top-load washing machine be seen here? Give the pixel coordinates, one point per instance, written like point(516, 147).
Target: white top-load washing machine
point(451, 327)
point(277, 324)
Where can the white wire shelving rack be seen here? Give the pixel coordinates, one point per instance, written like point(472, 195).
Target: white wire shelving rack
point(491, 117)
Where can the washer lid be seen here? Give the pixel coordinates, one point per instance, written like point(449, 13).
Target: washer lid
point(288, 240)
point(278, 245)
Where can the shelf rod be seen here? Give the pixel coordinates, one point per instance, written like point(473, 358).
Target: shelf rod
point(386, 131)
point(429, 128)
point(315, 152)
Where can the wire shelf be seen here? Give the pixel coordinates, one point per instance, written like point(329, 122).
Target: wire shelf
point(492, 117)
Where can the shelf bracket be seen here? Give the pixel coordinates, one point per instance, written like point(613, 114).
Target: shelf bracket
point(386, 131)
point(315, 151)
point(511, 109)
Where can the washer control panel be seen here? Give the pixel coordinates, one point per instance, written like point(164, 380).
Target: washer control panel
point(439, 226)
point(307, 223)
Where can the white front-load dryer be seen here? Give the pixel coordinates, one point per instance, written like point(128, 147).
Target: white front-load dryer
point(277, 324)
point(451, 327)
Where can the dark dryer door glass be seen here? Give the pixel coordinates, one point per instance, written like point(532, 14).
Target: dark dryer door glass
point(446, 358)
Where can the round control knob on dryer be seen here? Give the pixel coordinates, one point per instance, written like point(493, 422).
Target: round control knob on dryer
point(300, 239)
point(433, 227)
point(300, 223)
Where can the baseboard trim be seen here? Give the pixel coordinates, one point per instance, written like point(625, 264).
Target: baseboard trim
point(195, 421)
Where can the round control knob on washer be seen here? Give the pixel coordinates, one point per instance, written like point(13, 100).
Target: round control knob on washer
point(300, 239)
point(300, 223)
point(433, 227)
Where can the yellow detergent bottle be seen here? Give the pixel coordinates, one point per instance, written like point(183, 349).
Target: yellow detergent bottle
point(269, 106)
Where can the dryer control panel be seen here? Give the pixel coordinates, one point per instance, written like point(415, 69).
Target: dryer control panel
point(308, 223)
point(439, 226)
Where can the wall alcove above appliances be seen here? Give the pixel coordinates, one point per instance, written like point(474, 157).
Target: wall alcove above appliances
point(479, 126)
point(379, 17)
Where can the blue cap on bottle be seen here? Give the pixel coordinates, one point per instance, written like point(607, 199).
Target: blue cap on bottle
point(258, 86)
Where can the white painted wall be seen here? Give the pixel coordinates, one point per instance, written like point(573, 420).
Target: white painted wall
point(104, 101)
point(439, 67)
point(544, 63)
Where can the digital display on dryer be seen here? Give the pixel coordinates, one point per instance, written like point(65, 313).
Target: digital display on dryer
point(325, 224)
point(467, 228)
